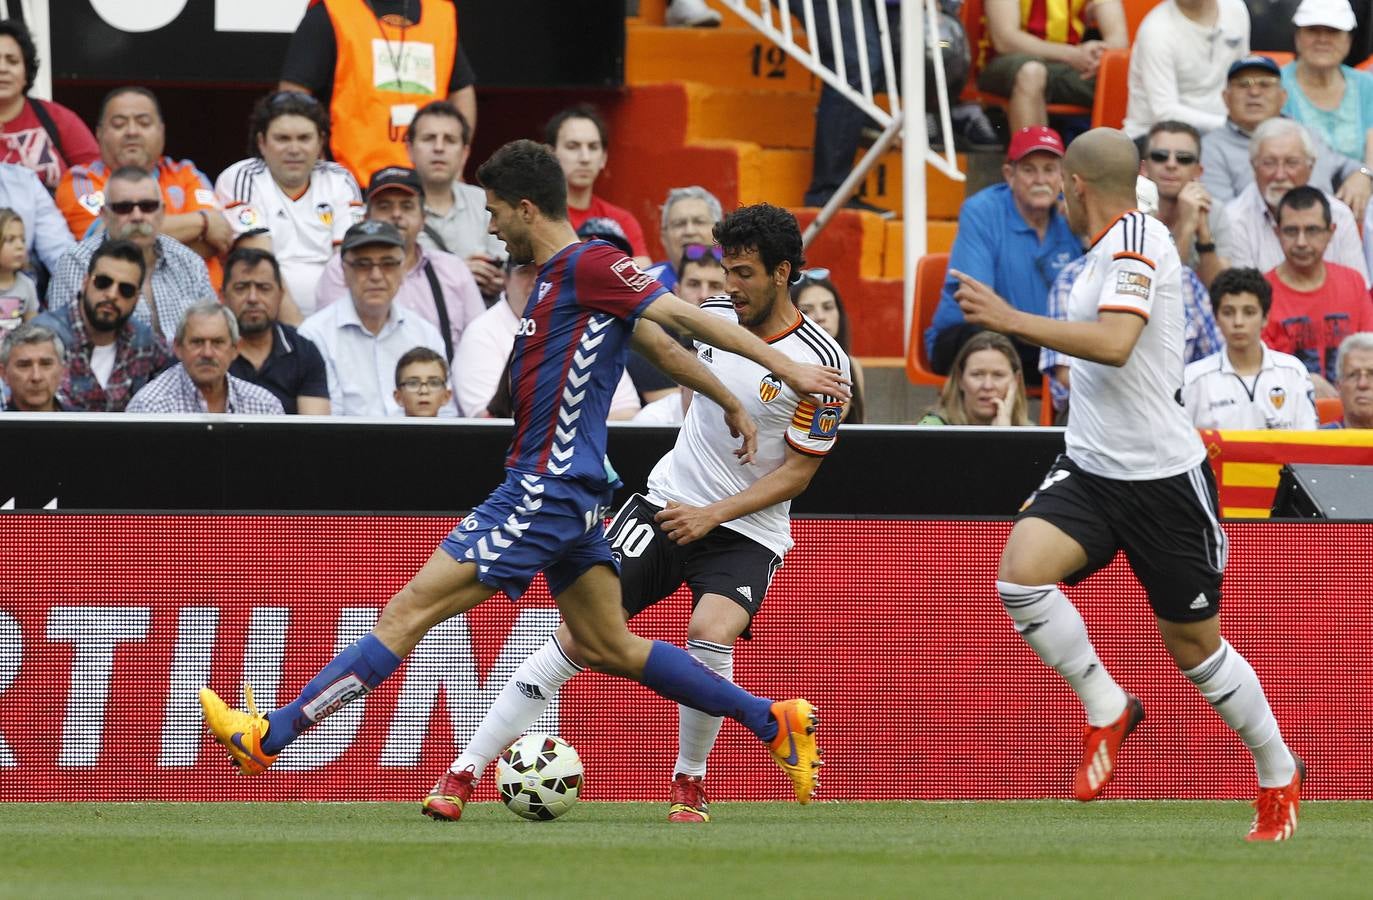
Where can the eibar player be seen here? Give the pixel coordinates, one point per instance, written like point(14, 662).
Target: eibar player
point(548, 514)
point(719, 527)
point(1134, 477)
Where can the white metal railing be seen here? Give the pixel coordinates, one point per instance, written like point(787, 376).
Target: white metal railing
point(773, 19)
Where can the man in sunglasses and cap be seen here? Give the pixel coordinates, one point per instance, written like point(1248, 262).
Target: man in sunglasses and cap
point(110, 354)
point(174, 276)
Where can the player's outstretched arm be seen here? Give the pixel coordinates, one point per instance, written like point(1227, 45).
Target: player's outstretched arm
point(685, 369)
point(673, 312)
point(684, 524)
point(1109, 340)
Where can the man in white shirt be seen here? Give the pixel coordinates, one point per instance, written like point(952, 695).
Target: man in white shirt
point(1282, 154)
point(304, 202)
point(363, 337)
point(1247, 385)
point(437, 286)
point(1179, 61)
point(455, 217)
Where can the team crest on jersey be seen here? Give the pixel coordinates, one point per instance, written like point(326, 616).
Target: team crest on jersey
point(770, 388)
point(1277, 396)
point(92, 202)
point(325, 211)
point(635, 278)
point(825, 422)
point(1135, 284)
point(544, 288)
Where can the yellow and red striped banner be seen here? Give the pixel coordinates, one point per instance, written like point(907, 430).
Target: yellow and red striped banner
point(1247, 463)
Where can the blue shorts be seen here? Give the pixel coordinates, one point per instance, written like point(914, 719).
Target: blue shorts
point(533, 524)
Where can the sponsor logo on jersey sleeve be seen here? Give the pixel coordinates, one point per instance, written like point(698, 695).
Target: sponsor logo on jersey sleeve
point(1134, 284)
point(635, 278)
point(204, 197)
point(249, 217)
point(92, 202)
point(770, 388)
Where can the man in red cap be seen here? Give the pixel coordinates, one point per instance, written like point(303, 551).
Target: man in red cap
point(1012, 236)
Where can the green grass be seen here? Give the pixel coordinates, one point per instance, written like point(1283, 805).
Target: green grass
point(283, 851)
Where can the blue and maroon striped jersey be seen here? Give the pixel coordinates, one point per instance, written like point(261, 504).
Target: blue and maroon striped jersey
point(569, 352)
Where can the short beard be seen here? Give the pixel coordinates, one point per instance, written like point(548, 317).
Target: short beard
point(254, 327)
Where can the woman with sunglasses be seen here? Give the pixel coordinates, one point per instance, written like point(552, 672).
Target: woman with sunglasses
point(985, 386)
point(816, 297)
point(37, 134)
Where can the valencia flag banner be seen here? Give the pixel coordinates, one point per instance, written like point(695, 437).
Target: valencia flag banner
point(1247, 463)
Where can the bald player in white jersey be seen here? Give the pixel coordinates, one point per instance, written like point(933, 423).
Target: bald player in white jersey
point(1134, 477)
point(709, 518)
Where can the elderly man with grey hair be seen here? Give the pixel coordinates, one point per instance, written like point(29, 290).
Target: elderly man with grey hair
point(206, 343)
point(1355, 367)
point(33, 363)
point(1282, 154)
point(689, 217)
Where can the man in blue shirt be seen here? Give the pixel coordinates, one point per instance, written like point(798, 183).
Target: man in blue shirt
point(1010, 236)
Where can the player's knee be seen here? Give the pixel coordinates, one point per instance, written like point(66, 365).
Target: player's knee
point(1031, 79)
point(1023, 601)
point(571, 649)
point(714, 632)
point(610, 652)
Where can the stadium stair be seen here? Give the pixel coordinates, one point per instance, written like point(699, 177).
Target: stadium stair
point(724, 108)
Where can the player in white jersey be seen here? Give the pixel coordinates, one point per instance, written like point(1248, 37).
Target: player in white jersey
point(304, 203)
point(1134, 478)
point(1247, 384)
point(720, 526)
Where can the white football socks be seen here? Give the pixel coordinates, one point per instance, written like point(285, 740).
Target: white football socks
point(1054, 629)
point(520, 703)
point(696, 731)
point(1229, 684)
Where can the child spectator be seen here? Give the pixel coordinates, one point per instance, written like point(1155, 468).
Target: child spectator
point(18, 293)
point(816, 296)
point(422, 383)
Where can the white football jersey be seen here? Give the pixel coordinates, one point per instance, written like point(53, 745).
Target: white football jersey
point(1279, 396)
point(702, 469)
point(305, 229)
point(1127, 422)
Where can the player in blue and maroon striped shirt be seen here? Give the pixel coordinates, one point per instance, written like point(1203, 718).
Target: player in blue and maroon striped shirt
point(548, 515)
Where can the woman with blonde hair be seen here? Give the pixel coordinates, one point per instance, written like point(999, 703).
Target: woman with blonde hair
point(985, 386)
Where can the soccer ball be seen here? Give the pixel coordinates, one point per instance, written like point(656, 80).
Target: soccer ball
point(539, 777)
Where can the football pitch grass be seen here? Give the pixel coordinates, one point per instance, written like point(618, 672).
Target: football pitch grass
point(265, 851)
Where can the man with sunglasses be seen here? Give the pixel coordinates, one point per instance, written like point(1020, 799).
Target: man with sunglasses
point(365, 334)
point(175, 276)
point(110, 355)
point(1254, 94)
point(1172, 161)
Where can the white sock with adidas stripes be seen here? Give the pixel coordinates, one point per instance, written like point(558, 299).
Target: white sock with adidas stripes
point(520, 703)
point(696, 731)
point(1229, 684)
point(1054, 629)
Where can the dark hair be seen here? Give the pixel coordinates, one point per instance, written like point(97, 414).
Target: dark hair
point(132, 173)
point(123, 250)
point(251, 258)
point(1173, 126)
point(440, 108)
point(526, 170)
point(121, 91)
point(1304, 197)
point(1241, 281)
point(580, 111)
point(767, 229)
point(16, 29)
point(419, 355)
point(285, 103)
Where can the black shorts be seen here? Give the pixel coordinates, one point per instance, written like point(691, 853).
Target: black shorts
point(652, 566)
point(1167, 528)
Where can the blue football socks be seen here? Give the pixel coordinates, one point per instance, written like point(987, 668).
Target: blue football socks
point(677, 675)
point(360, 667)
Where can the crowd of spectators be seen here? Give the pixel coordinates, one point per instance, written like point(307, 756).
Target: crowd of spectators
point(397, 300)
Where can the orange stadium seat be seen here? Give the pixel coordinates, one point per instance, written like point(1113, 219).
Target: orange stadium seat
point(1135, 11)
point(1046, 403)
point(1329, 409)
point(929, 280)
point(1366, 65)
point(1112, 89)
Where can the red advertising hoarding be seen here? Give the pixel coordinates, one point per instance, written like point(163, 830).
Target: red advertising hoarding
point(109, 625)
